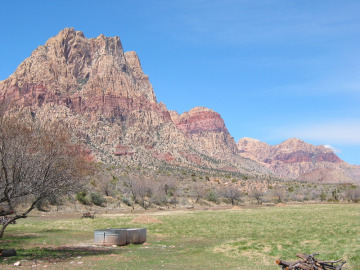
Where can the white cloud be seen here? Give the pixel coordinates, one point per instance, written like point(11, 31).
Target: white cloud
point(340, 132)
point(334, 149)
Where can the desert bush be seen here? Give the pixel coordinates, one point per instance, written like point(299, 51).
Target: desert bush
point(141, 191)
point(167, 185)
point(127, 201)
point(334, 196)
point(258, 195)
point(97, 199)
point(297, 197)
point(197, 193)
point(279, 194)
point(353, 194)
point(212, 196)
point(231, 194)
point(81, 196)
point(160, 197)
point(323, 196)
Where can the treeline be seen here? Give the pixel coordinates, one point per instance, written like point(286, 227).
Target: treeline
point(149, 191)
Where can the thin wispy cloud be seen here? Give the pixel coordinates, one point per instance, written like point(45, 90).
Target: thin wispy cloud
point(334, 149)
point(344, 132)
point(239, 22)
point(326, 86)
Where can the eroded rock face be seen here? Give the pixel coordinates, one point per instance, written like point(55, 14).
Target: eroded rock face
point(200, 119)
point(325, 175)
point(296, 159)
point(207, 129)
point(101, 93)
point(84, 74)
point(97, 89)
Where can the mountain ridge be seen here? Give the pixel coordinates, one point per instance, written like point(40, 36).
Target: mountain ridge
point(103, 95)
point(299, 160)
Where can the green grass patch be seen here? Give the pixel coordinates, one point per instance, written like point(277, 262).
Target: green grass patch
point(223, 239)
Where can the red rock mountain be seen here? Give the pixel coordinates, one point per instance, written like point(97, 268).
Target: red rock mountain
point(101, 93)
point(299, 160)
point(207, 129)
point(83, 74)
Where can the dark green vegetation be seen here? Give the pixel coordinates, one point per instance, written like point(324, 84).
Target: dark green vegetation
point(251, 238)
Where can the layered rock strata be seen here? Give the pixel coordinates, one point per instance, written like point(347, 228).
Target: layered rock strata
point(299, 160)
point(101, 93)
point(207, 129)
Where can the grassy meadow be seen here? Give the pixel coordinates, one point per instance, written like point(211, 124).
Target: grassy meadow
point(248, 238)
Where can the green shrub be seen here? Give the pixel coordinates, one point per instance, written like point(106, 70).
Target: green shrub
point(81, 197)
point(159, 199)
point(323, 196)
point(213, 197)
point(97, 199)
point(127, 201)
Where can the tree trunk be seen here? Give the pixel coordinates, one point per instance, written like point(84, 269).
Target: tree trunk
point(3, 230)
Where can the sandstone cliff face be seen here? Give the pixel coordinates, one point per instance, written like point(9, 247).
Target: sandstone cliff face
point(326, 175)
point(296, 159)
point(97, 80)
point(85, 74)
point(101, 93)
point(207, 129)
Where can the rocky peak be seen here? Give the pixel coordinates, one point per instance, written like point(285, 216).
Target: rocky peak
point(66, 38)
point(102, 94)
point(293, 144)
point(296, 145)
point(290, 158)
point(207, 129)
point(200, 119)
point(133, 62)
point(69, 66)
point(144, 86)
point(245, 143)
point(292, 141)
point(174, 116)
point(199, 109)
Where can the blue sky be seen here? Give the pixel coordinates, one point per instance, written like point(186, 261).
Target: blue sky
point(273, 69)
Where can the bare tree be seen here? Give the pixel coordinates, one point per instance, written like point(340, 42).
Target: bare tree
point(198, 192)
point(232, 194)
point(168, 185)
point(37, 162)
point(353, 194)
point(279, 194)
point(257, 195)
point(159, 196)
point(141, 191)
point(105, 182)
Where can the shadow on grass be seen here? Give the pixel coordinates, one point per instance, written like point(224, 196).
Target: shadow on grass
point(11, 241)
point(58, 254)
